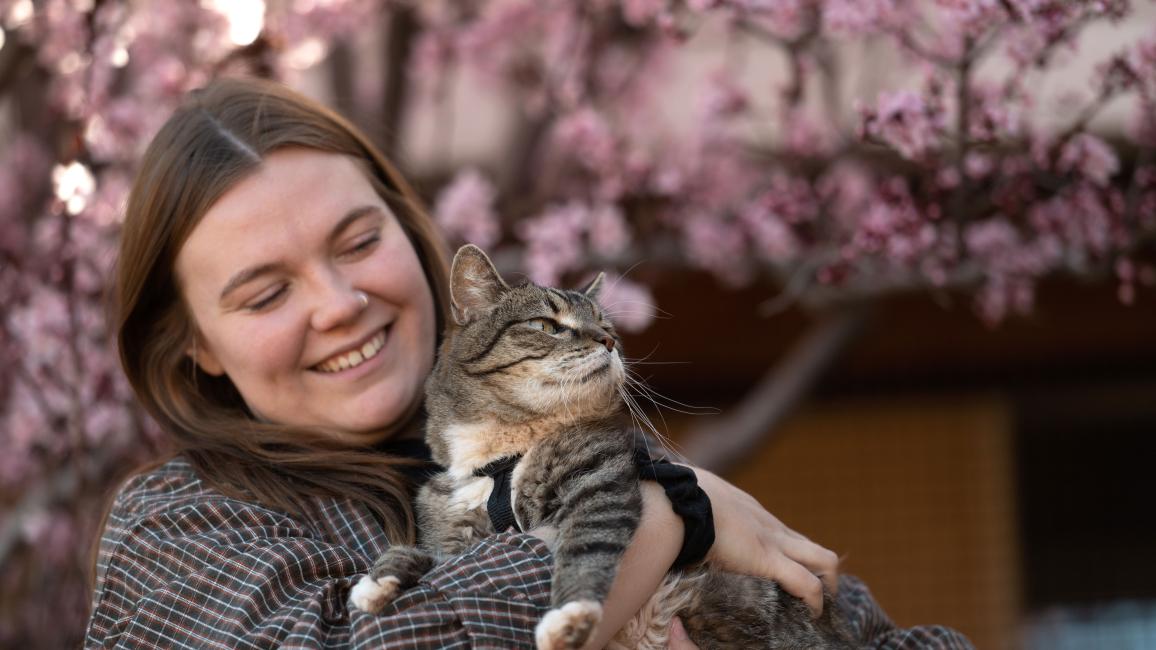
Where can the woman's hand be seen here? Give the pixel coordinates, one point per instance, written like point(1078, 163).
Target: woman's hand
point(751, 541)
point(678, 638)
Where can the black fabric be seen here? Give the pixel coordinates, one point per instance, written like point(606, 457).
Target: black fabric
point(688, 501)
point(499, 507)
point(680, 483)
point(417, 449)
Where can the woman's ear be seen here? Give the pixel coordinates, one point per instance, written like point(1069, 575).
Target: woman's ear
point(204, 358)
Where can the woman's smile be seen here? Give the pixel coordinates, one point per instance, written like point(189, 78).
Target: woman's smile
point(355, 356)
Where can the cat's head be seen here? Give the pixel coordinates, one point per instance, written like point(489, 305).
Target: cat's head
point(526, 353)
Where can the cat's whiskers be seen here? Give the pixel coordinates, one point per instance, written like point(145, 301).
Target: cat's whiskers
point(634, 382)
point(663, 401)
point(641, 420)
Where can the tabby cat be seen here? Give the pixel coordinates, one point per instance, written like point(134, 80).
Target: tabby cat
point(533, 375)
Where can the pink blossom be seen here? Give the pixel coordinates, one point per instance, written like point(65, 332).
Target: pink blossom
point(465, 209)
point(586, 135)
point(978, 165)
point(1088, 155)
point(773, 237)
point(715, 245)
point(791, 198)
point(972, 17)
point(609, 234)
point(630, 305)
point(805, 135)
point(993, 117)
point(904, 120)
point(785, 18)
point(860, 16)
point(724, 98)
point(640, 12)
point(1003, 295)
point(846, 188)
point(886, 224)
point(554, 241)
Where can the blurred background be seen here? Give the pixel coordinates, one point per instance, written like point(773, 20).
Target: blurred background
point(886, 264)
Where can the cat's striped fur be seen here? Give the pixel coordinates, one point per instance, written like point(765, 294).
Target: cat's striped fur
point(536, 372)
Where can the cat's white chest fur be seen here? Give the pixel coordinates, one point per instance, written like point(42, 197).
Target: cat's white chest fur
point(475, 445)
point(471, 493)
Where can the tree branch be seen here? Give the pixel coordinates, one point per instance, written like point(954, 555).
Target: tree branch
point(723, 443)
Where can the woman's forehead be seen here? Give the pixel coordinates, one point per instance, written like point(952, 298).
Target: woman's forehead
point(294, 199)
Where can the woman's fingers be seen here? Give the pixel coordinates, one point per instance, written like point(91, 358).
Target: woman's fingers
point(798, 581)
point(679, 640)
point(820, 561)
point(752, 541)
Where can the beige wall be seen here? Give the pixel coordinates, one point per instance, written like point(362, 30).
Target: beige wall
point(918, 497)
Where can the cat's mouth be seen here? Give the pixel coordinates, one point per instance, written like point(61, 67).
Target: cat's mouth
point(597, 368)
point(596, 372)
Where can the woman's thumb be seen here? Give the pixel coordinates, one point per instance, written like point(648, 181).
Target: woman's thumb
point(679, 639)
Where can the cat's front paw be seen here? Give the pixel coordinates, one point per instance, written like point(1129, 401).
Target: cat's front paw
point(568, 626)
point(370, 595)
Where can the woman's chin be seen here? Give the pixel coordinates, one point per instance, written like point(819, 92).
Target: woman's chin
point(372, 423)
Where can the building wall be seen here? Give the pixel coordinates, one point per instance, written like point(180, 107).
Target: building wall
point(918, 497)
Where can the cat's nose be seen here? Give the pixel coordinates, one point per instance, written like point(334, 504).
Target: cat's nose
point(608, 341)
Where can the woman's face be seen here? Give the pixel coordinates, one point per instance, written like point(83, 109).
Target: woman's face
point(273, 275)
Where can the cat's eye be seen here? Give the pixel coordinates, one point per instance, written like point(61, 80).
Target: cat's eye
point(546, 325)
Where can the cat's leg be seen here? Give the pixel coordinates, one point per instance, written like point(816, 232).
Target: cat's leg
point(737, 611)
point(399, 568)
point(598, 516)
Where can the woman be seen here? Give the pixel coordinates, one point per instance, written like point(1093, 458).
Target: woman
point(279, 296)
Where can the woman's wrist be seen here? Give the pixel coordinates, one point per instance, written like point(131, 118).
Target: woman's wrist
point(688, 501)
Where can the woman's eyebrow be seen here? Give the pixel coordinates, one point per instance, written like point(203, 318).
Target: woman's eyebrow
point(249, 274)
point(351, 216)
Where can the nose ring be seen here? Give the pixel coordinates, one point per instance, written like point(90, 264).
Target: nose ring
point(363, 298)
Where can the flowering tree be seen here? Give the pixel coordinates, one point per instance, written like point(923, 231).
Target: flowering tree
point(961, 175)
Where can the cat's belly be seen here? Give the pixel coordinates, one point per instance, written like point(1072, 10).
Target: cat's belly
point(462, 518)
point(650, 629)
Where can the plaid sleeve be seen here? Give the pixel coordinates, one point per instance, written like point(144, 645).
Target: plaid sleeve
point(872, 627)
point(221, 573)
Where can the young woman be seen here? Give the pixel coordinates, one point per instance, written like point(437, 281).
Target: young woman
point(279, 297)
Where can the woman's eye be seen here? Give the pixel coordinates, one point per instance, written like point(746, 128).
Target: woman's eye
point(265, 300)
point(362, 245)
point(545, 324)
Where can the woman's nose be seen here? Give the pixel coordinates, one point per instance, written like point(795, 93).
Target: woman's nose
point(339, 303)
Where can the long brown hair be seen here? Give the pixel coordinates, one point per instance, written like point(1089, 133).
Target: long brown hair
point(218, 136)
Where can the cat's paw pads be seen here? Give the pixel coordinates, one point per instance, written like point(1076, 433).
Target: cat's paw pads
point(568, 626)
point(371, 595)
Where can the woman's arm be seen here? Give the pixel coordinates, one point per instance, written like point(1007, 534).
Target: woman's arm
point(211, 572)
point(748, 540)
point(644, 564)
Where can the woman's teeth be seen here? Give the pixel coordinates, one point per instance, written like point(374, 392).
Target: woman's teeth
point(356, 357)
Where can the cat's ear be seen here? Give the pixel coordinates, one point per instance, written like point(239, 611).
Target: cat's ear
point(474, 284)
point(595, 287)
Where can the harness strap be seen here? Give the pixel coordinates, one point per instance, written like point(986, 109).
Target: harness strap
point(498, 506)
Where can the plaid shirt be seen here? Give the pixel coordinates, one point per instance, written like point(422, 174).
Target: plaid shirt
point(182, 566)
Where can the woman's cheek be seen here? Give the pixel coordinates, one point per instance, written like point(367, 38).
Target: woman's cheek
point(271, 345)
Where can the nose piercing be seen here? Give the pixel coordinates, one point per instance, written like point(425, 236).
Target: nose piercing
point(363, 298)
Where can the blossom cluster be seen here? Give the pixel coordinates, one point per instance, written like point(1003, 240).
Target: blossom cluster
point(87, 84)
point(883, 201)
